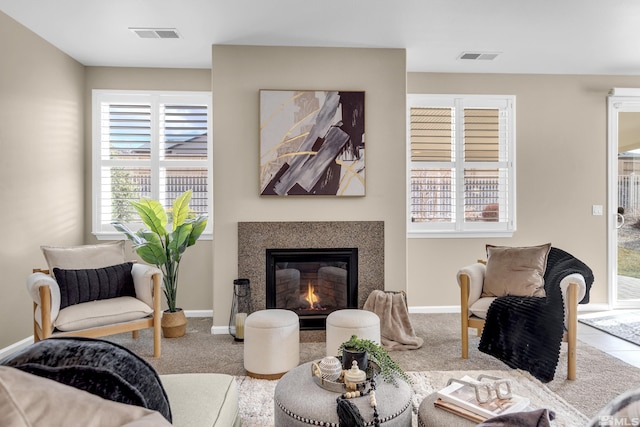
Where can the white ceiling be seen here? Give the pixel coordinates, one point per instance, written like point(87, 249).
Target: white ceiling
point(543, 36)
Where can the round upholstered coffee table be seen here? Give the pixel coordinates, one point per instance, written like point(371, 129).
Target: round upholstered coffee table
point(299, 401)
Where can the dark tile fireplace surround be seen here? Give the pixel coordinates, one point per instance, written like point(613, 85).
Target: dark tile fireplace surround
point(258, 241)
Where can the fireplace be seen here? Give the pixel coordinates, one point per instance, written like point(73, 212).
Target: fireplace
point(312, 282)
point(254, 238)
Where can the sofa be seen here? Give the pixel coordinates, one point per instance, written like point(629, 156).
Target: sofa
point(202, 399)
point(74, 381)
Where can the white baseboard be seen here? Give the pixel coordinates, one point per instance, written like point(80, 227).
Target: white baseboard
point(427, 309)
point(435, 309)
point(438, 309)
point(198, 313)
point(220, 330)
point(594, 307)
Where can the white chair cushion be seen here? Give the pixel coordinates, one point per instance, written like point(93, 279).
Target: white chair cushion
point(102, 312)
point(480, 307)
point(84, 256)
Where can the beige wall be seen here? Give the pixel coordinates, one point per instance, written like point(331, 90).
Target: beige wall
point(194, 286)
point(238, 75)
point(41, 166)
point(561, 126)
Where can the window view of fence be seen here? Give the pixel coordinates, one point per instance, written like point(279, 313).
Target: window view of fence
point(129, 185)
point(433, 195)
point(629, 195)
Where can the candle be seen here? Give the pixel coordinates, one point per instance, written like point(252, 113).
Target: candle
point(240, 318)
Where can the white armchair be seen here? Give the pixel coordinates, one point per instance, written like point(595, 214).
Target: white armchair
point(474, 307)
point(94, 308)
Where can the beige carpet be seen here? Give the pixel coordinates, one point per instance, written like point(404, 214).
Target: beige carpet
point(600, 377)
point(256, 396)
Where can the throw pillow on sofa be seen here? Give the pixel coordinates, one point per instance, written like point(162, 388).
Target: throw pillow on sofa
point(99, 367)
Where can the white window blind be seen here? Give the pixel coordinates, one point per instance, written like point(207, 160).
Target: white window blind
point(148, 144)
point(461, 165)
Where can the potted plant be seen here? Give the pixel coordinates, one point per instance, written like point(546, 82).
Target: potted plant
point(389, 369)
point(164, 248)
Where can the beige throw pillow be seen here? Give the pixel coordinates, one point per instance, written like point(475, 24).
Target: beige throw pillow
point(85, 256)
point(517, 271)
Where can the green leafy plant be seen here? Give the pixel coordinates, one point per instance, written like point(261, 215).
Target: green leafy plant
point(389, 369)
point(160, 247)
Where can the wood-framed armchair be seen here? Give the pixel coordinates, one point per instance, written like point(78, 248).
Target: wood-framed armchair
point(474, 308)
point(98, 294)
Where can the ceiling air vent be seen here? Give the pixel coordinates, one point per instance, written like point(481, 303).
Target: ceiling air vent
point(156, 33)
point(478, 56)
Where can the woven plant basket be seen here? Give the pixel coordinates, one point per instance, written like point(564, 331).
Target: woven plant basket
point(174, 324)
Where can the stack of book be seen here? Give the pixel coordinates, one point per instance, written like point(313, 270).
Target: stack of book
point(460, 399)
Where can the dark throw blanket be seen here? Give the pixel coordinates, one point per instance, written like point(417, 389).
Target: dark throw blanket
point(526, 332)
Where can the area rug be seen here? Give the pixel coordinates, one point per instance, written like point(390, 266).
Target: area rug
point(624, 325)
point(256, 396)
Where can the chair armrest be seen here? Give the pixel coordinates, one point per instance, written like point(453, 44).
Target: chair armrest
point(578, 279)
point(34, 282)
point(475, 272)
point(143, 282)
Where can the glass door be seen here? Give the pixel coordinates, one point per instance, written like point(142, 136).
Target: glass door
point(627, 221)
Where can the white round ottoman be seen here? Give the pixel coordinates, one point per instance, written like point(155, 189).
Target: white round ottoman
point(271, 343)
point(341, 324)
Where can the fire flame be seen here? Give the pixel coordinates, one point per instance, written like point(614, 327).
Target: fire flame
point(311, 297)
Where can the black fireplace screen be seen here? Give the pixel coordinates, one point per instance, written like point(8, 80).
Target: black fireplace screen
point(312, 282)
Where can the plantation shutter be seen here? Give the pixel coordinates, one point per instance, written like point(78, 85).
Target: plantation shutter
point(485, 183)
point(185, 131)
point(432, 131)
point(183, 138)
point(150, 146)
point(125, 156)
point(461, 175)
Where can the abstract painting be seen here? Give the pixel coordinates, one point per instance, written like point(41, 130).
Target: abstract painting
point(311, 143)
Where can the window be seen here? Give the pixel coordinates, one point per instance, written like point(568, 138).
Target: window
point(461, 172)
point(149, 144)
